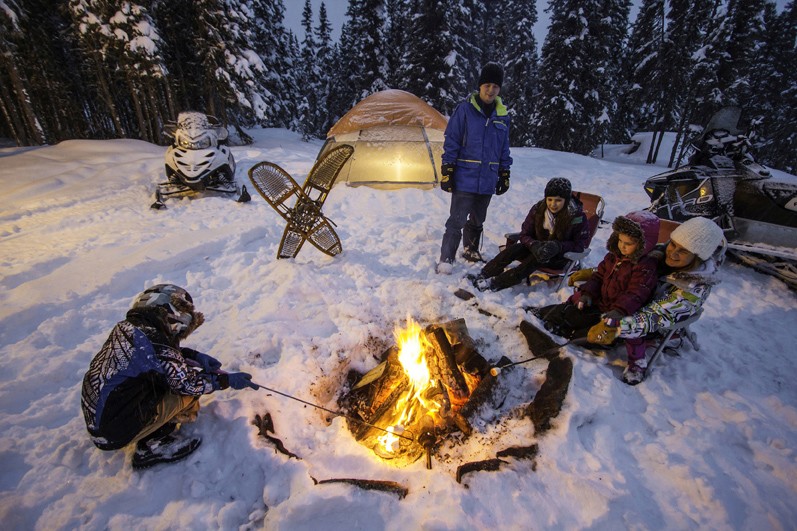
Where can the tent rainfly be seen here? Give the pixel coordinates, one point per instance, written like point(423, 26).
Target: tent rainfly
point(397, 139)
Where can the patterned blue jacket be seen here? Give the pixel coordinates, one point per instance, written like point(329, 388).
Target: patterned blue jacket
point(477, 145)
point(129, 377)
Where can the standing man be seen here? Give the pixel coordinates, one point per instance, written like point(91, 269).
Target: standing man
point(475, 166)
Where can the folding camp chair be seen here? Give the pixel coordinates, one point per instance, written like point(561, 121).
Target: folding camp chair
point(665, 335)
point(593, 206)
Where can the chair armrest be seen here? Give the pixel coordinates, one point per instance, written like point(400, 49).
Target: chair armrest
point(572, 255)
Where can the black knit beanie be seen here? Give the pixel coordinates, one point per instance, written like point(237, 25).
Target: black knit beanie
point(559, 187)
point(491, 73)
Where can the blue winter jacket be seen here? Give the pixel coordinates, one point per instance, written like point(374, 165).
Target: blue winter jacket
point(477, 145)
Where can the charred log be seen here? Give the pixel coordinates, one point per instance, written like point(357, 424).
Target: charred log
point(264, 425)
point(520, 452)
point(488, 465)
point(549, 399)
point(369, 484)
point(540, 344)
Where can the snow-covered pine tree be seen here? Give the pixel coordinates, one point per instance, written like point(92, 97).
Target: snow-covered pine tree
point(20, 120)
point(308, 77)
point(570, 78)
point(639, 93)
point(363, 69)
point(773, 81)
point(278, 83)
point(611, 34)
point(424, 70)
point(325, 57)
point(519, 56)
point(398, 20)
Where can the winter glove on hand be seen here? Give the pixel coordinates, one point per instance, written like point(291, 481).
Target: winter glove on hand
point(612, 317)
point(503, 182)
point(602, 334)
point(580, 276)
point(236, 380)
point(580, 299)
point(241, 380)
point(447, 178)
point(547, 251)
point(207, 362)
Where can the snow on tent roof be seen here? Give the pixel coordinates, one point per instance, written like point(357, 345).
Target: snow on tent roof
point(397, 139)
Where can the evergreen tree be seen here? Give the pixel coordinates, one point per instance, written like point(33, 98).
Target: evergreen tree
point(424, 71)
point(277, 81)
point(308, 77)
point(774, 81)
point(363, 69)
point(639, 88)
point(570, 78)
point(519, 53)
point(325, 58)
point(398, 20)
point(611, 33)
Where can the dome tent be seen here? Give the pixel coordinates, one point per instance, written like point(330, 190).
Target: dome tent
point(397, 139)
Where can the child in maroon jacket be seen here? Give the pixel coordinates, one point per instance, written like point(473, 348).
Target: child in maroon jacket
point(621, 284)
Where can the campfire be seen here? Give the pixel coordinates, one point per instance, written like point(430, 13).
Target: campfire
point(424, 389)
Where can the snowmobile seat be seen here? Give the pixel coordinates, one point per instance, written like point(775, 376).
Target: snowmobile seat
point(593, 206)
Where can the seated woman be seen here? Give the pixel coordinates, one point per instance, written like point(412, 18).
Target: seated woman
point(687, 274)
point(621, 284)
point(554, 226)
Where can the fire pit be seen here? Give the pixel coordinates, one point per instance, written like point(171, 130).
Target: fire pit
point(424, 389)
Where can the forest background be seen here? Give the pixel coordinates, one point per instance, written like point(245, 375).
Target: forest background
point(121, 69)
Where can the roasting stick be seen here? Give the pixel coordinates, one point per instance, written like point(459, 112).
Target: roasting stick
point(397, 430)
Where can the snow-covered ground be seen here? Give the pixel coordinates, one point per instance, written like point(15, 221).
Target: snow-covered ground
point(708, 442)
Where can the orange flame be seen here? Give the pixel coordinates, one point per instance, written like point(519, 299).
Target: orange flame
point(411, 344)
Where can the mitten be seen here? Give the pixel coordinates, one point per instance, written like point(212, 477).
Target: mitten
point(207, 362)
point(581, 299)
point(548, 250)
point(503, 182)
point(447, 178)
point(602, 334)
point(580, 276)
point(612, 317)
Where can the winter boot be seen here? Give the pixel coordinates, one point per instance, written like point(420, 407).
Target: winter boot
point(634, 373)
point(163, 449)
point(472, 255)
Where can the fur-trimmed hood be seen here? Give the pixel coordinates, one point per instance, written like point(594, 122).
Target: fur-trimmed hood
point(641, 225)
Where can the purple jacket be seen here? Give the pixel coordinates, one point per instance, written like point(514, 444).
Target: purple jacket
point(570, 227)
point(626, 283)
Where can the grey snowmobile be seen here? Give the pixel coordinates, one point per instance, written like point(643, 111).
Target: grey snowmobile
point(723, 181)
point(198, 159)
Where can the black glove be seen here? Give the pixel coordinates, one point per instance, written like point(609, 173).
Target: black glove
point(547, 251)
point(236, 380)
point(447, 178)
point(503, 182)
point(207, 362)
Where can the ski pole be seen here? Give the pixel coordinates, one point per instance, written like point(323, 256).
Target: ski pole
point(396, 430)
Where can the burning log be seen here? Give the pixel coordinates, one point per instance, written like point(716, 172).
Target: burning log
point(417, 393)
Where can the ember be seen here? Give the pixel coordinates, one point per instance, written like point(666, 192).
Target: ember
point(420, 393)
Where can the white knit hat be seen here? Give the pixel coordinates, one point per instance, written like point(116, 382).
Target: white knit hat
point(698, 235)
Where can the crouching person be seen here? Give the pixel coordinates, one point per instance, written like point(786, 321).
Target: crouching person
point(142, 385)
point(686, 276)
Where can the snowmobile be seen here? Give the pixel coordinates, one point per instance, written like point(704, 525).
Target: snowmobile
point(723, 181)
point(198, 159)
